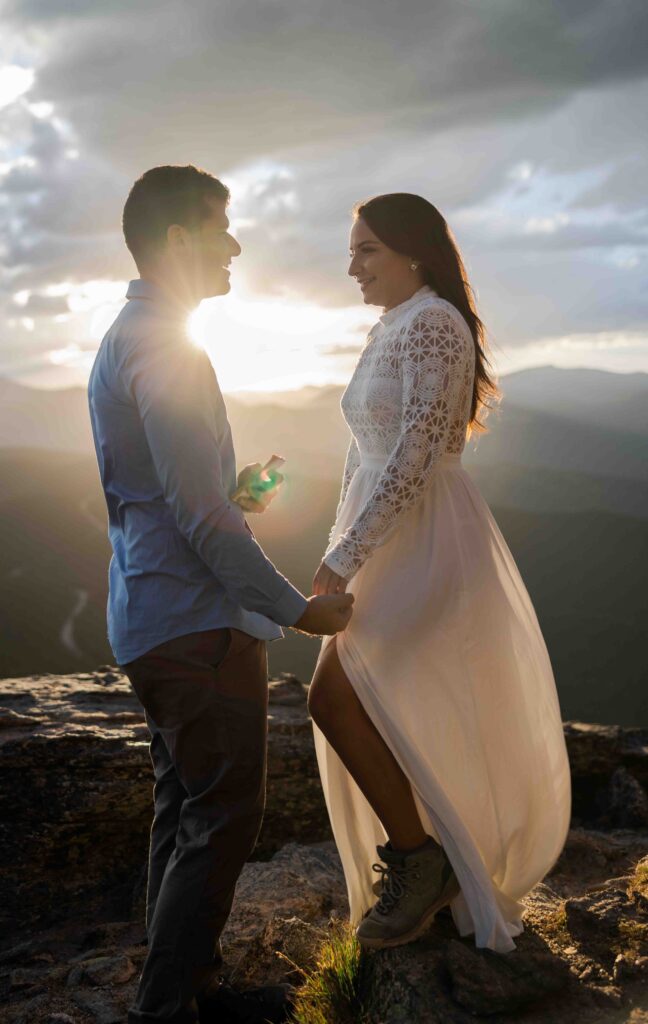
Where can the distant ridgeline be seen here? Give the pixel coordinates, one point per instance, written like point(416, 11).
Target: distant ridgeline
point(563, 468)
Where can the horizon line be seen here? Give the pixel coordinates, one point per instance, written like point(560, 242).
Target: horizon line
point(8, 378)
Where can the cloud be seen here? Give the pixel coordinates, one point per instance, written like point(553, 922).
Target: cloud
point(14, 82)
point(517, 119)
point(624, 186)
point(59, 212)
point(42, 305)
point(344, 350)
point(233, 82)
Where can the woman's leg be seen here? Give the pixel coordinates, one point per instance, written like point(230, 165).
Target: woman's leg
point(338, 713)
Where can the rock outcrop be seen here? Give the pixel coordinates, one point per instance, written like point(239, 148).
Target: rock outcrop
point(583, 956)
point(76, 796)
point(75, 812)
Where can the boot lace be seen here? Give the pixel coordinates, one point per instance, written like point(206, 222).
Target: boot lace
point(392, 879)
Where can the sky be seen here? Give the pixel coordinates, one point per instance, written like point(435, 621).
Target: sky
point(524, 122)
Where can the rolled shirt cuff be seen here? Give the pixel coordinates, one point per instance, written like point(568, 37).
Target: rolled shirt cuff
point(290, 607)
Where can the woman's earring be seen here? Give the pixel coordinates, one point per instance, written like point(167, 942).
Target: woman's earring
point(414, 266)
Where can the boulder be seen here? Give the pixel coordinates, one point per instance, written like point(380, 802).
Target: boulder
point(283, 916)
point(595, 753)
point(77, 793)
point(75, 814)
point(102, 970)
point(443, 978)
point(280, 916)
point(623, 802)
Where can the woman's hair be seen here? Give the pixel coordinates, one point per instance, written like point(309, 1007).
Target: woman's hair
point(412, 226)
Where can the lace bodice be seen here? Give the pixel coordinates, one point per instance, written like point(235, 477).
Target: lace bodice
point(408, 403)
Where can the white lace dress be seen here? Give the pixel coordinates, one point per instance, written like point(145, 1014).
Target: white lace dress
point(444, 649)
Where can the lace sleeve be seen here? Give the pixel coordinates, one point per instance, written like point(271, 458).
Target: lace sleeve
point(350, 466)
point(433, 354)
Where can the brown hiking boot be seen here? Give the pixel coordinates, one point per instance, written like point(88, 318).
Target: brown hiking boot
point(415, 886)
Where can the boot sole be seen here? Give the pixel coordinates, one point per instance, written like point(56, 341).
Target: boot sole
point(451, 890)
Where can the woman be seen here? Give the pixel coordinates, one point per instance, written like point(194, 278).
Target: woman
point(437, 724)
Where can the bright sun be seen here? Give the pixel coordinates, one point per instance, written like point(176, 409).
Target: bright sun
point(275, 345)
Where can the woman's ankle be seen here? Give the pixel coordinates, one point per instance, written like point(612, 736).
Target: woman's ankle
point(413, 847)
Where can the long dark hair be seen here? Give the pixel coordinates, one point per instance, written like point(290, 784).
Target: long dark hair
point(412, 226)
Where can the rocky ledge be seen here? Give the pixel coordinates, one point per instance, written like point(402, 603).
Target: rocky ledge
point(76, 793)
point(75, 810)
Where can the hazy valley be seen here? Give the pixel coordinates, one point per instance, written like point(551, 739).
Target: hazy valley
point(563, 470)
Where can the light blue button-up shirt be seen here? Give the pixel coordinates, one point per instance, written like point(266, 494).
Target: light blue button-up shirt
point(184, 558)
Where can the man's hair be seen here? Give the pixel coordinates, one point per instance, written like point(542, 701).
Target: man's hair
point(173, 194)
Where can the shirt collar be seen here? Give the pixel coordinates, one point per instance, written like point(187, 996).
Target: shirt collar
point(397, 311)
point(154, 293)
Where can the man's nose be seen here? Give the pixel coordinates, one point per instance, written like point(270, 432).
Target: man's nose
point(234, 246)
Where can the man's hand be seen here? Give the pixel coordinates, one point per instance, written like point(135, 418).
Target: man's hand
point(326, 615)
point(326, 581)
point(257, 493)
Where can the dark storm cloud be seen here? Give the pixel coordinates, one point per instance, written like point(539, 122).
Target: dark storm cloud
point(48, 259)
point(57, 210)
point(325, 102)
point(233, 81)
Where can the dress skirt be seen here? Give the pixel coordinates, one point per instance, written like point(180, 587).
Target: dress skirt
point(445, 653)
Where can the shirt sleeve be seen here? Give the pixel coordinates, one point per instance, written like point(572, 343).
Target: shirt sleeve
point(174, 385)
point(351, 464)
point(433, 359)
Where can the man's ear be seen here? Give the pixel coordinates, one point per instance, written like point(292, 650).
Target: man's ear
point(177, 237)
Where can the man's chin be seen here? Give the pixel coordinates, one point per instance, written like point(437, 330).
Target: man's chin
point(222, 288)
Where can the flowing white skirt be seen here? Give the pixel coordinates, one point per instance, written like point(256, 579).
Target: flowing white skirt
point(445, 652)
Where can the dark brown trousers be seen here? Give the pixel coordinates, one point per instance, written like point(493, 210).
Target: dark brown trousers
point(205, 699)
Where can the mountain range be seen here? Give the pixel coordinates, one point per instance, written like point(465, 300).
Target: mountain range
point(562, 467)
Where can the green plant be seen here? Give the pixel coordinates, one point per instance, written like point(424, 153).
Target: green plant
point(553, 928)
point(330, 992)
point(639, 878)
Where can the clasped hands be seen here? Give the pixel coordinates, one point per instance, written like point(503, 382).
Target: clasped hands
point(325, 581)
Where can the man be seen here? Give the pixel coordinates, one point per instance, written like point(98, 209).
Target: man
point(193, 599)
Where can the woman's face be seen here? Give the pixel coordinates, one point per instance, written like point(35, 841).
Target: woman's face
point(385, 277)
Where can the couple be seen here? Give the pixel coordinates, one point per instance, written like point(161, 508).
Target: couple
point(437, 725)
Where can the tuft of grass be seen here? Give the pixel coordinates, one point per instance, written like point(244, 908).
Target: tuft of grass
point(330, 992)
point(633, 939)
point(633, 935)
point(553, 928)
point(639, 878)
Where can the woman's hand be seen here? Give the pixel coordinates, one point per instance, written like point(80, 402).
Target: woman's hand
point(325, 581)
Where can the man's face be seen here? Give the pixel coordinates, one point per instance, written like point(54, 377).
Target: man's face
point(213, 249)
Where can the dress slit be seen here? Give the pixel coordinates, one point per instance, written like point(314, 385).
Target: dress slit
point(444, 649)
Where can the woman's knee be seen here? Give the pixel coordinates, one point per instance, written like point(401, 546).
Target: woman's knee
point(321, 699)
point(316, 699)
point(329, 698)
point(330, 692)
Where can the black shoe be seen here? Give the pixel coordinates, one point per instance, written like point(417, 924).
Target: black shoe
point(269, 1004)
